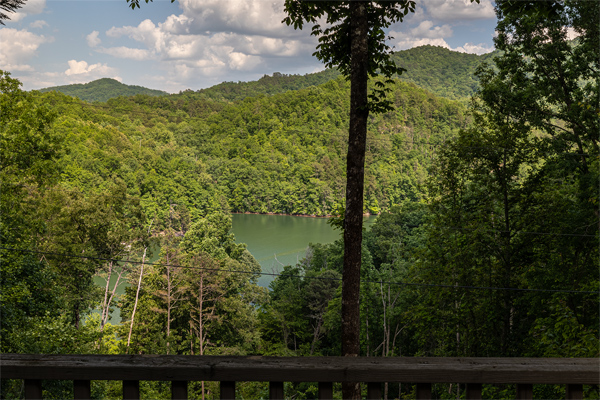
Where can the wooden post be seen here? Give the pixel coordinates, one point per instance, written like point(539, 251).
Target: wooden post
point(179, 390)
point(131, 390)
point(82, 390)
point(374, 391)
point(423, 391)
point(325, 390)
point(33, 389)
point(473, 391)
point(276, 390)
point(525, 391)
point(227, 390)
point(575, 392)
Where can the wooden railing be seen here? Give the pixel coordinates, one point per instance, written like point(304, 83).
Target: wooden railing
point(422, 371)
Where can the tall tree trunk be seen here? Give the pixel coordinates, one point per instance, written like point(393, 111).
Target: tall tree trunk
point(355, 171)
point(137, 296)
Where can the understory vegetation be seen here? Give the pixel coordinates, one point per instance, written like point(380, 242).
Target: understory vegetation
point(486, 243)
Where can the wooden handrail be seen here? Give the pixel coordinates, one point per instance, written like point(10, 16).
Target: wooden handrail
point(420, 370)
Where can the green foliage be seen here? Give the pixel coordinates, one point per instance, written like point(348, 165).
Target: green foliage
point(102, 90)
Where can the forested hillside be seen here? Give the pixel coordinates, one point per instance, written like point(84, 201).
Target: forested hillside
point(486, 243)
point(443, 72)
point(102, 90)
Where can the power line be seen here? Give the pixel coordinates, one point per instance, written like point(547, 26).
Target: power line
point(284, 275)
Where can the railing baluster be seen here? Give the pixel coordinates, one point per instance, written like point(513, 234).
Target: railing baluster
point(525, 391)
point(325, 390)
point(423, 391)
point(276, 390)
point(575, 392)
point(33, 389)
point(179, 390)
point(82, 390)
point(227, 390)
point(131, 390)
point(473, 391)
point(374, 390)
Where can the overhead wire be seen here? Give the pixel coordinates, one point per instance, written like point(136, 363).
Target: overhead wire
point(285, 275)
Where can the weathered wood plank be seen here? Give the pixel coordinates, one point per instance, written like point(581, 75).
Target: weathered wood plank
point(227, 390)
point(82, 389)
point(303, 369)
point(525, 391)
point(275, 390)
point(33, 388)
point(131, 390)
point(325, 390)
point(179, 390)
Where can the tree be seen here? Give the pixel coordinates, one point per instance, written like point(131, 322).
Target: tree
point(9, 6)
point(354, 41)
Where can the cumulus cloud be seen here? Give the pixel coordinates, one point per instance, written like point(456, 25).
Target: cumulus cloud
point(427, 30)
point(81, 71)
point(31, 7)
point(18, 47)
point(479, 49)
point(216, 39)
point(453, 10)
point(249, 17)
point(39, 24)
point(92, 39)
point(127, 53)
point(428, 34)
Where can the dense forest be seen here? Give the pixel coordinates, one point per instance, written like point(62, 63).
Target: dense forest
point(486, 243)
point(441, 71)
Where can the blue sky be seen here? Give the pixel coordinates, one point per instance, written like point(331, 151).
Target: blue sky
point(193, 44)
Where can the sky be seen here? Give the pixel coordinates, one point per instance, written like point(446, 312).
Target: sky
point(194, 44)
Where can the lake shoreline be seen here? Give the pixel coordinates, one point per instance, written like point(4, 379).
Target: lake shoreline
point(295, 215)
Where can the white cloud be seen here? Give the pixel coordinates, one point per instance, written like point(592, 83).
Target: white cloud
point(39, 24)
point(92, 39)
point(453, 10)
point(242, 62)
point(81, 71)
point(127, 53)
point(249, 17)
point(31, 7)
point(427, 30)
point(479, 49)
point(18, 47)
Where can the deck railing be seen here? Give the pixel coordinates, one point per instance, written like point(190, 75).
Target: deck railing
point(422, 371)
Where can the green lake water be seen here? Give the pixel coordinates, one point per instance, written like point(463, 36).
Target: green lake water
point(278, 240)
point(274, 240)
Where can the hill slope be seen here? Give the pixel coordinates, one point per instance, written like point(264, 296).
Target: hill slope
point(102, 90)
point(443, 72)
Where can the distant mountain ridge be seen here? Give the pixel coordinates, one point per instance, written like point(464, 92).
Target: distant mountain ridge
point(103, 89)
point(443, 72)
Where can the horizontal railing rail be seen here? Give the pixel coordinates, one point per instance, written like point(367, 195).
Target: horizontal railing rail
point(422, 371)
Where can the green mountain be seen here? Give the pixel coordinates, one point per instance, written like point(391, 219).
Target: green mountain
point(443, 72)
point(102, 90)
point(446, 73)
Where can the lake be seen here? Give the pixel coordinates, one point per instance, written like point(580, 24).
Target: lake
point(278, 240)
point(274, 240)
